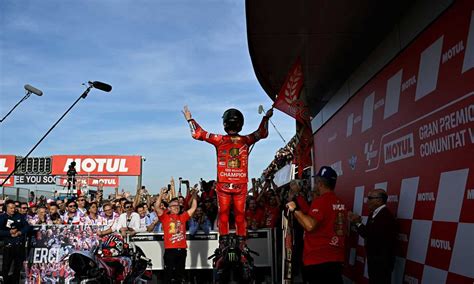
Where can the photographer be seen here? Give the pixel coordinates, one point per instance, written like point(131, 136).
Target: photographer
point(141, 196)
point(71, 176)
point(13, 230)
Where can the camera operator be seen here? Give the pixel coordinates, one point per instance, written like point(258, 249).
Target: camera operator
point(71, 176)
point(13, 231)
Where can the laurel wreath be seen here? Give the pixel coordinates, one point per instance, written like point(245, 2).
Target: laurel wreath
point(291, 86)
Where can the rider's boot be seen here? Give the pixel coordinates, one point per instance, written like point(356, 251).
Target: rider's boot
point(242, 242)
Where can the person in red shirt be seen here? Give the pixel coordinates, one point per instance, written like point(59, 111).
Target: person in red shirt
point(208, 189)
point(174, 228)
point(232, 162)
point(325, 231)
point(254, 215)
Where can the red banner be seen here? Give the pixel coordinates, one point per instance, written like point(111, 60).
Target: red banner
point(7, 164)
point(101, 165)
point(303, 149)
point(109, 181)
point(410, 131)
point(10, 182)
point(288, 99)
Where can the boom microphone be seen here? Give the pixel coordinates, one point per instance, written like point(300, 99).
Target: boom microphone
point(33, 90)
point(101, 86)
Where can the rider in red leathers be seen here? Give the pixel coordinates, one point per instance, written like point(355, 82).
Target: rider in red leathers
point(232, 166)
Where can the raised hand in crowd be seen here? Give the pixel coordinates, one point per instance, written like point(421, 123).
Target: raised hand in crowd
point(163, 195)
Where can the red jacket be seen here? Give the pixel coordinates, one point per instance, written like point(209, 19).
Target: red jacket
point(232, 150)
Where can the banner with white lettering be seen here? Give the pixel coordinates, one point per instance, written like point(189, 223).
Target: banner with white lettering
point(35, 179)
point(101, 165)
point(410, 132)
point(108, 181)
point(50, 246)
point(10, 181)
point(7, 164)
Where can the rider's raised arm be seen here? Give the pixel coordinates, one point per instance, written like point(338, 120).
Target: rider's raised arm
point(197, 132)
point(262, 131)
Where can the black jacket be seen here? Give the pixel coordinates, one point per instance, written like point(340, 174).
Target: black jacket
point(380, 235)
point(7, 223)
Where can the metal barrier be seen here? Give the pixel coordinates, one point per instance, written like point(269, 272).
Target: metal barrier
point(15, 193)
point(200, 246)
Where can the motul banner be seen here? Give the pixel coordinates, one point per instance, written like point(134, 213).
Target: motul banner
point(101, 165)
point(410, 132)
point(7, 164)
point(108, 181)
point(10, 181)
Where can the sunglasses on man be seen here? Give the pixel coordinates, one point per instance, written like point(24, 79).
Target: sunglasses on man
point(374, 197)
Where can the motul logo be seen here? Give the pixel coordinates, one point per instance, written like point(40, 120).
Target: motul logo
point(3, 165)
point(105, 181)
point(8, 183)
point(441, 244)
point(7, 163)
point(398, 149)
point(90, 165)
point(94, 181)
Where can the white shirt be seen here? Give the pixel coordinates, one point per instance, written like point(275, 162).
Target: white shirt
point(142, 225)
point(376, 211)
point(132, 222)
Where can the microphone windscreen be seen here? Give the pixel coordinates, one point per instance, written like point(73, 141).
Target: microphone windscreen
point(102, 86)
point(33, 90)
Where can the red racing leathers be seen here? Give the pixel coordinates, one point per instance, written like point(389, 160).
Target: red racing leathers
point(232, 171)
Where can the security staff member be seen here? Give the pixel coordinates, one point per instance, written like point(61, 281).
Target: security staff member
point(13, 231)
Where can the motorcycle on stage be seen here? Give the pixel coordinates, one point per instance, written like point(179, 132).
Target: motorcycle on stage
point(113, 261)
point(233, 264)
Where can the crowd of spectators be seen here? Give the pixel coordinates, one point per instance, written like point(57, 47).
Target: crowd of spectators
point(282, 157)
point(125, 213)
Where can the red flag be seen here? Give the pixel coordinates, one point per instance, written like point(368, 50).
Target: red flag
point(303, 149)
point(288, 99)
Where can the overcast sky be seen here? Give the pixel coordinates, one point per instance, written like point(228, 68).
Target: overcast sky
point(157, 55)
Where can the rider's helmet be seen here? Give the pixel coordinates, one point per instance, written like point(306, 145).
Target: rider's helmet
point(233, 120)
point(113, 245)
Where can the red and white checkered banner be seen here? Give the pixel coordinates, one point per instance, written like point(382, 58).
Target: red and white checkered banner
point(410, 131)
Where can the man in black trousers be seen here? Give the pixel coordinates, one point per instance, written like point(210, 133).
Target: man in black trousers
point(13, 231)
point(380, 237)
